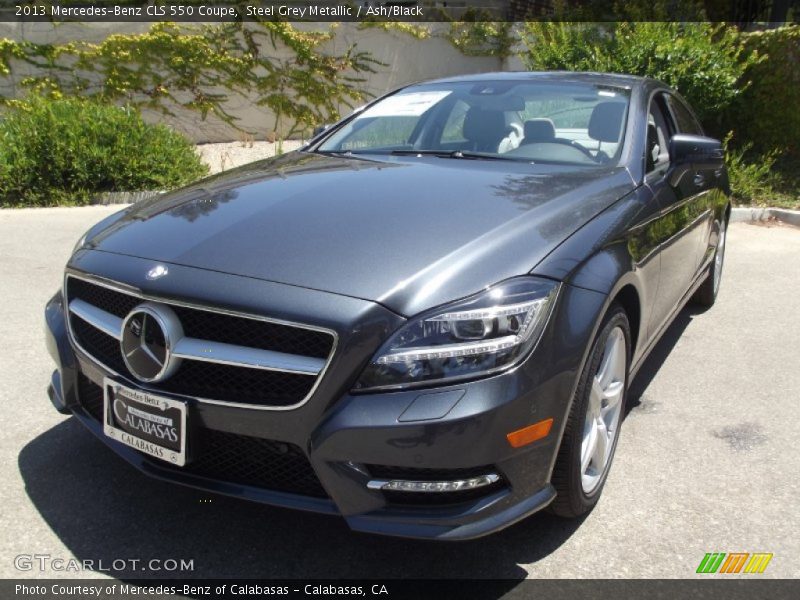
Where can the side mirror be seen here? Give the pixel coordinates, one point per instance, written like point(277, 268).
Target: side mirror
point(320, 129)
point(685, 148)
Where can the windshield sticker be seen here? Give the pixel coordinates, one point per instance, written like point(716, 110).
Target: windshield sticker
point(405, 105)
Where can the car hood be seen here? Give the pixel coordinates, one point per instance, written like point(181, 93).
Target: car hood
point(409, 233)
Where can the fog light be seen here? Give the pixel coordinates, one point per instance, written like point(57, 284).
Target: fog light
point(404, 485)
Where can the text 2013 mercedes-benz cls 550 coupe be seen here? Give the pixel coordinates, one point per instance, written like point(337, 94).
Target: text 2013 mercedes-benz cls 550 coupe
point(425, 320)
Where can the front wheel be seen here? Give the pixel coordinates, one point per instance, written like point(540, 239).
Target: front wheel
point(593, 425)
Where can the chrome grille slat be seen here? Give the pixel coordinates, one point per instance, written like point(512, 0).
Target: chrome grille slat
point(217, 354)
point(242, 356)
point(205, 350)
point(97, 317)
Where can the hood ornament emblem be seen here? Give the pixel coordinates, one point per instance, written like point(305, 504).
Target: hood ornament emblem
point(157, 272)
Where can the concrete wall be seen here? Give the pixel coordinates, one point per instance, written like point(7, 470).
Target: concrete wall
point(407, 59)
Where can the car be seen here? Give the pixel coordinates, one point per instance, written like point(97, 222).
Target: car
point(426, 320)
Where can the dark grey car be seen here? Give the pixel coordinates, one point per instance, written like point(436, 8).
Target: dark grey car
point(425, 321)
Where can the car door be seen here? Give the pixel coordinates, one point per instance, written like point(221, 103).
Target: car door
point(706, 179)
point(677, 227)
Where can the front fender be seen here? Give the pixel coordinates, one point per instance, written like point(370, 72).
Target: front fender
point(615, 252)
point(63, 382)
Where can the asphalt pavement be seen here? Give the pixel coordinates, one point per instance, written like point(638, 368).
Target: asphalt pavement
point(708, 458)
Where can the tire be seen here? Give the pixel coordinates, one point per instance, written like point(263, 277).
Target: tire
point(706, 294)
point(579, 487)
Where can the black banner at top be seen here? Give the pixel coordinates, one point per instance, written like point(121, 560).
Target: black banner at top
point(59, 11)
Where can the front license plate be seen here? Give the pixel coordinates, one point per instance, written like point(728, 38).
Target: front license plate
point(151, 424)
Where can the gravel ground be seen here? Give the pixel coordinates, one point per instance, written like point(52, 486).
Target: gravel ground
point(223, 157)
point(707, 460)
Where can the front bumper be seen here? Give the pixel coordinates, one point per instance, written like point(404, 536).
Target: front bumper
point(344, 437)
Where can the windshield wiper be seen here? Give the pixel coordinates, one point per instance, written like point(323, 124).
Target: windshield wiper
point(484, 156)
point(333, 152)
point(442, 153)
point(456, 154)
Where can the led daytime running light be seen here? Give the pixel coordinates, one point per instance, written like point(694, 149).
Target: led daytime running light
point(403, 485)
point(451, 351)
point(490, 313)
point(480, 335)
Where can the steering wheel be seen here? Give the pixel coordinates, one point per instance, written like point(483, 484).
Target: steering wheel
point(572, 144)
point(554, 150)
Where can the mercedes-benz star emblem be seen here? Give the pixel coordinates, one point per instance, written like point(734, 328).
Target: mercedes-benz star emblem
point(157, 272)
point(149, 334)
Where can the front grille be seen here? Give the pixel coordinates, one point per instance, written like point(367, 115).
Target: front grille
point(213, 326)
point(90, 397)
point(214, 381)
point(256, 462)
point(228, 329)
point(201, 379)
point(229, 457)
point(399, 498)
point(100, 345)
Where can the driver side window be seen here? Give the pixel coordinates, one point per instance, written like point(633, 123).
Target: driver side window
point(658, 136)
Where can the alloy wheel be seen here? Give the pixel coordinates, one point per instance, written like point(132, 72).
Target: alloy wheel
point(603, 412)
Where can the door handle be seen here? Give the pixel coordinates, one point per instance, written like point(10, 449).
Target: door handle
point(699, 179)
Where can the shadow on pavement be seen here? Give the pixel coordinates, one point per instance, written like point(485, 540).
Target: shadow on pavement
point(658, 355)
point(102, 509)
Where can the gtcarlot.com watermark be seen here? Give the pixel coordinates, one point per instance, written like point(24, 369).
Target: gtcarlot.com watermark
point(44, 563)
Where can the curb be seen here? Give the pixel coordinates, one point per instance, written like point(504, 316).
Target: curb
point(107, 198)
point(754, 215)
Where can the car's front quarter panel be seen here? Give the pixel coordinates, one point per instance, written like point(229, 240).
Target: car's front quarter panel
point(372, 428)
point(616, 249)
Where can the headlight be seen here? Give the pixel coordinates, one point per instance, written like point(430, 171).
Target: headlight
point(483, 334)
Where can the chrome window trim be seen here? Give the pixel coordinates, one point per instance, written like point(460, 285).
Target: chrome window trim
point(133, 291)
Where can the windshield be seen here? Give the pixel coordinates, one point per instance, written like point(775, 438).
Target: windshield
point(570, 123)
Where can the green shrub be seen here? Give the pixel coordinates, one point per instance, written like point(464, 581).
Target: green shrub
point(703, 61)
point(757, 180)
point(56, 151)
point(748, 83)
point(751, 176)
point(766, 114)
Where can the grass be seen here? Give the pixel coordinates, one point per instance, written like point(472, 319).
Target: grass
point(787, 187)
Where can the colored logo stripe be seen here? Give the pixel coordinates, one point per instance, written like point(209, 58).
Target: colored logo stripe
point(711, 562)
point(734, 562)
point(758, 562)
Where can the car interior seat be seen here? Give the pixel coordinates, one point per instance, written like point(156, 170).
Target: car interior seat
point(539, 130)
point(484, 129)
point(605, 124)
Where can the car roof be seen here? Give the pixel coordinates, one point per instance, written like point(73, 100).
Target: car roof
point(616, 79)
